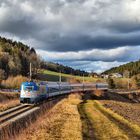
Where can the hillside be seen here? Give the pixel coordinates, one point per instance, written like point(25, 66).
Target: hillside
point(64, 69)
point(16, 56)
point(132, 67)
point(15, 59)
point(47, 75)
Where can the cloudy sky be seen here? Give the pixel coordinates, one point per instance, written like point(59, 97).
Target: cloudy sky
point(93, 35)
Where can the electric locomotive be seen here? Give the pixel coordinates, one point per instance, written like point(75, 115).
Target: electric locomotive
point(29, 92)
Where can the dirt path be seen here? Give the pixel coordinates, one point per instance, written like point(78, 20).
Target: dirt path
point(87, 129)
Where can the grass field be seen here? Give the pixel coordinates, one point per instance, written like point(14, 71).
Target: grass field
point(62, 122)
point(80, 117)
point(54, 76)
point(105, 124)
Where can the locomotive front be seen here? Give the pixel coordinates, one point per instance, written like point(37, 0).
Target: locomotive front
point(28, 93)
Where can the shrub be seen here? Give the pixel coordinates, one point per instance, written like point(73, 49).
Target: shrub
point(111, 83)
point(13, 82)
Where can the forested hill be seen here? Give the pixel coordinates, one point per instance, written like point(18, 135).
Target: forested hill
point(15, 58)
point(61, 68)
point(132, 67)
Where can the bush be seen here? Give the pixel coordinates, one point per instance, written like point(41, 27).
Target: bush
point(125, 83)
point(13, 82)
point(111, 83)
point(137, 81)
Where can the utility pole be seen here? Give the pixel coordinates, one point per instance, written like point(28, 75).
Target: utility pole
point(83, 79)
point(126, 74)
point(60, 77)
point(128, 80)
point(128, 84)
point(30, 71)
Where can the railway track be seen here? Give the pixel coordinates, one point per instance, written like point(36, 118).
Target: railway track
point(13, 112)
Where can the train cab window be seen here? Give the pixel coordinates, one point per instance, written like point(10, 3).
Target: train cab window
point(28, 88)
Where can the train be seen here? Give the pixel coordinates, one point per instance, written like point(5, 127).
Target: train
point(33, 93)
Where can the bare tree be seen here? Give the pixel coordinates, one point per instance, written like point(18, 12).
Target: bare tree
point(2, 75)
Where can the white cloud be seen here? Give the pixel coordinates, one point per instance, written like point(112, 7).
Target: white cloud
point(75, 30)
point(92, 66)
point(27, 7)
point(94, 60)
point(120, 54)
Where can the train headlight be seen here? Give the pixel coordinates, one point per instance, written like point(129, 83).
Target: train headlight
point(27, 93)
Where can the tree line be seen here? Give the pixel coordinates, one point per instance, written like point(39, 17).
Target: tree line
point(133, 68)
point(15, 59)
point(61, 68)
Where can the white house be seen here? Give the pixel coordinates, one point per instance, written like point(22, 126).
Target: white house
point(116, 75)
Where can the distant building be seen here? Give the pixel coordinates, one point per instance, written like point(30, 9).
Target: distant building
point(112, 75)
point(105, 76)
point(116, 75)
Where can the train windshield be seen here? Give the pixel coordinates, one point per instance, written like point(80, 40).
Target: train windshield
point(28, 88)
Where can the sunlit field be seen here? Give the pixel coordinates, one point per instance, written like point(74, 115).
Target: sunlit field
point(54, 76)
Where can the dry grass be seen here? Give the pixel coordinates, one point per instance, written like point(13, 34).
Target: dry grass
point(13, 82)
point(74, 99)
point(72, 80)
point(130, 111)
point(8, 96)
point(105, 124)
point(61, 122)
point(8, 100)
point(122, 83)
point(132, 129)
point(8, 104)
point(99, 94)
point(102, 127)
point(54, 76)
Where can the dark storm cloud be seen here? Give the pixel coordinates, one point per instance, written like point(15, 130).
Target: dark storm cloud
point(87, 42)
point(23, 28)
point(125, 27)
point(65, 26)
point(61, 25)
